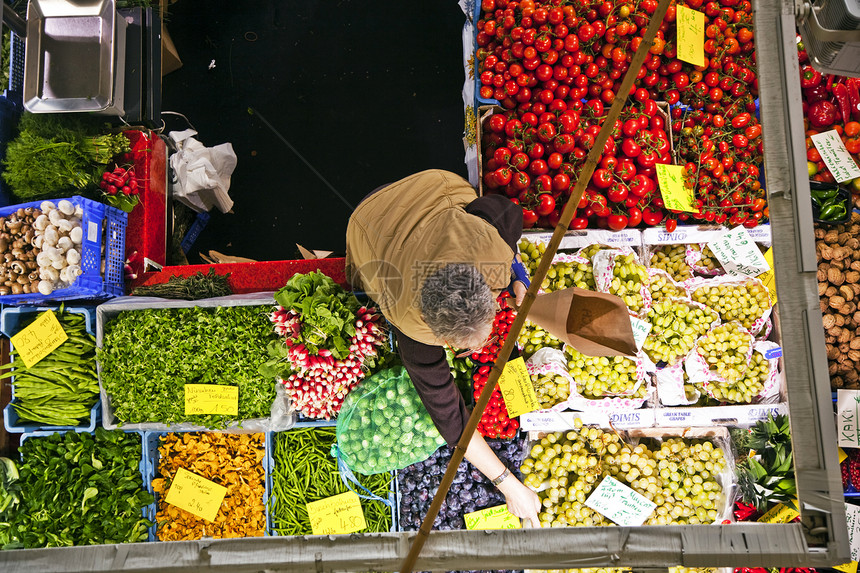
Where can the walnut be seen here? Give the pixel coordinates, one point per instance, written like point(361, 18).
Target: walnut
point(848, 307)
point(852, 277)
point(846, 292)
point(831, 292)
point(836, 382)
point(855, 266)
point(855, 318)
point(822, 274)
point(843, 237)
point(853, 243)
point(840, 253)
point(838, 265)
point(845, 336)
point(852, 376)
point(823, 305)
point(834, 331)
point(835, 276)
point(839, 319)
point(832, 236)
point(856, 288)
point(826, 252)
point(822, 288)
point(819, 233)
point(829, 339)
point(844, 348)
point(855, 343)
point(854, 355)
point(833, 368)
point(829, 321)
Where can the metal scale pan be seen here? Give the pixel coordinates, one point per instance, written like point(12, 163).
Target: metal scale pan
point(74, 57)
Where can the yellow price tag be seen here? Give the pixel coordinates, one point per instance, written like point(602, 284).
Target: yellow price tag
point(768, 278)
point(517, 389)
point(497, 517)
point(842, 455)
point(779, 514)
point(339, 514)
point(195, 494)
point(211, 399)
point(39, 339)
point(847, 567)
point(691, 35)
point(676, 195)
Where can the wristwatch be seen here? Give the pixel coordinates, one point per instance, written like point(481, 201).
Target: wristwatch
point(502, 477)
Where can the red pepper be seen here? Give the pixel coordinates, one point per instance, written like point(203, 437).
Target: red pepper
point(840, 92)
point(822, 114)
point(815, 93)
point(830, 79)
point(853, 85)
point(809, 77)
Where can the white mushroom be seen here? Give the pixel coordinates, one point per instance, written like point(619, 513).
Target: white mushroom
point(47, 206)
point(44, 259)
point(46, 287)
point(49, 274)
point(55, 216)
point(79, 212)
point(37, 241)
point(65, 276)
point(51, 236)
point(77, 235)
point(66, 207)
point(73, 257)
point(65, 226)
point(41, 222)
point(64, 244)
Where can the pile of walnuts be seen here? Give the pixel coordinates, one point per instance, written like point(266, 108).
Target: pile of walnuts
point(838, 250)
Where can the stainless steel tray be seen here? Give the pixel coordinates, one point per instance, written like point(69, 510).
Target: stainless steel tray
point(74, 59)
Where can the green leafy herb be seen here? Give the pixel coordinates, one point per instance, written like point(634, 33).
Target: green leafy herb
point(59, 154)
point(80, 489)
point(326, 310)
point(195, 287)
point(148, 356)
point(767, 477)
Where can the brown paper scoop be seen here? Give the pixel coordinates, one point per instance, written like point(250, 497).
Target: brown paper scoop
point(595, 323)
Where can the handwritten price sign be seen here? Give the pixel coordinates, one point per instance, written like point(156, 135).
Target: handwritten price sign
point(620, 503)
point(676, 194)
point(835, 156)
point(211, 399)
point(497, 517)
point(339, 514)
point(691, 35)
point(196, 494)
point(39, 339)
point(739, 254)
point(641, 329)
point(517, 389)
point(847, 417)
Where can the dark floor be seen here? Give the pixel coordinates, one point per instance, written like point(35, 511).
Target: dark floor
point(322, 102)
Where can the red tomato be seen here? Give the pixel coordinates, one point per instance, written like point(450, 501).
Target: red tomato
point(529, 218)
point(651, 218)
point(617, 222)
point(546, 204)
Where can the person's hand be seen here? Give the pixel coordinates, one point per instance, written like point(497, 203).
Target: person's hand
point(519, 292)
point(521, 501)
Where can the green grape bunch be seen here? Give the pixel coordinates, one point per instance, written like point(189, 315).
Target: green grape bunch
point(676, 324)
point(628, 279)
point(708, 264)
point(673, 260)
point(750, 385)
point(603, 376)
point(726, 350)
point(679, 475)
point(746, 302)
point(530, 254)
point(550, 389)
point(532, 338)
point(662, 286)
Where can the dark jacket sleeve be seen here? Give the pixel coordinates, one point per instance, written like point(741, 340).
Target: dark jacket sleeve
point(431, 376)
point(501, 213)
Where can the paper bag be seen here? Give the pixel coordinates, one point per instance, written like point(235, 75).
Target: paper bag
point(595, 323)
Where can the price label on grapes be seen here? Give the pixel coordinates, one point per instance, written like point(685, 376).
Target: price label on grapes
point(641, 329)
point(739, 254)
point(517, 389)
point(676, 194)
point(195, 494)
point(768, 278)
point(848, 418)
point(621, 504)
point(691, 35)
point(497, 517)
point(835, 156)
point(339, 514)
point(42, 337)
point(211, 399)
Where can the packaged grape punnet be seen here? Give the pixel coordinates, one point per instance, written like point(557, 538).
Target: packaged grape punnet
point(670, 387)
point(695, 258)
point(614, 269)
point(661, 285)
point(763, 378)
point(670, 335)
point(631, 399)
point(548, 363)
point(699, 288)
point(668, 258)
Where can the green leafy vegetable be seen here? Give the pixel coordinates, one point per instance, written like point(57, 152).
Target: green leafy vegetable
point(148, 356)
point(58, 155)
point(80, 489)
point(327, 312)
point(197, 286)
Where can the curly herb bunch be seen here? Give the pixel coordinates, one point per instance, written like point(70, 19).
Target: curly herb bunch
point(59, 155)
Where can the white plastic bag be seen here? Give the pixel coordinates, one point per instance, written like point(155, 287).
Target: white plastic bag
point(201, 174)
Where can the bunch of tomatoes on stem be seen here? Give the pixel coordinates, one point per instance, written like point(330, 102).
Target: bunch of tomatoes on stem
point(555, 67)
point(495, 422)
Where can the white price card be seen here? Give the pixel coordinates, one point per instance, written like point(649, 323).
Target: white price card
point(835, 156)
point(848, 418)
point(621, 504)
point(641, 329)
point(738, 253)
point(852, 517)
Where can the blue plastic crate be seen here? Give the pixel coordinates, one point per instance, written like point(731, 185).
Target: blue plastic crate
point(479, 101)
point(152, 456)
point(393, 495)
point(10, 319)
point(16, 67)
point(104, 231)
point(149, 510)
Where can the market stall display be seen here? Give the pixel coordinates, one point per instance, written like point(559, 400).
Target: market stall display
point(303, 471)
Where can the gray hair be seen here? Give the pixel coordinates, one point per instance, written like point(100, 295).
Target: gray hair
point(458, 305)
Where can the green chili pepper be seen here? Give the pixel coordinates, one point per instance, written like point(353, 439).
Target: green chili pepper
point(824, 194)
point(832, 212)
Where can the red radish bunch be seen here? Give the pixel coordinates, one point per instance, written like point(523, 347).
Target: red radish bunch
point(495, 422)
point(320, 382)
point(120, 180)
